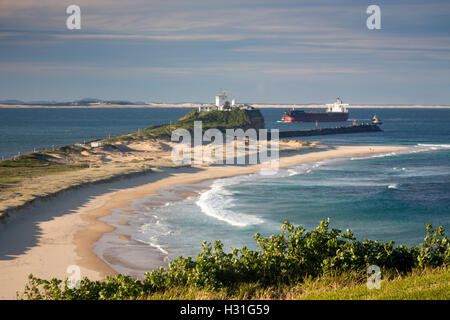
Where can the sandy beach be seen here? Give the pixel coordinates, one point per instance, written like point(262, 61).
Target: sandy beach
point(66, 237)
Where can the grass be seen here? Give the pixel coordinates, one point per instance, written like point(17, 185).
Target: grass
point(31, 166)
point(430, 284)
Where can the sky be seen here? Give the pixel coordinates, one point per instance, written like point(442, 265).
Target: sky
point(258, 51)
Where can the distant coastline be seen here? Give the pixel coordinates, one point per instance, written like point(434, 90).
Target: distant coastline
point(196, 105)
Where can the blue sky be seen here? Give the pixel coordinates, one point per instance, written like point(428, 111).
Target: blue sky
point(259, 51)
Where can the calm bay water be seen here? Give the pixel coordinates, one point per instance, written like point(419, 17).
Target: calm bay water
point(22, 130)
point(387, 197)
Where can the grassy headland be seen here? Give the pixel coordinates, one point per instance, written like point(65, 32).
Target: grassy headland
point(222, 120)
point(31, 166)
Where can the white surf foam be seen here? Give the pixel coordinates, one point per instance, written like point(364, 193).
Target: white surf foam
point(423, 147)
point(150, 233)
point(217, 202)
point(307, 168)
point(377, 155)
point(420, 147)
point(439, 146)
point(153, 243)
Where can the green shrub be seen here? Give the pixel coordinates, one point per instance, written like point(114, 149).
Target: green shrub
point(283, 259)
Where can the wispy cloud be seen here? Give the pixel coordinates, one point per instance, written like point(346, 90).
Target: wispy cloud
point(168, 37)
point(242, 42)
point(235, 69)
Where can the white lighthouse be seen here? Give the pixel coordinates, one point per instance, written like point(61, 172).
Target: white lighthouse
point(221, 101)
point(221, 97)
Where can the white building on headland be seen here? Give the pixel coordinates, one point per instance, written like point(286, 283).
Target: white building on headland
point(221, 98)
point(223, 104)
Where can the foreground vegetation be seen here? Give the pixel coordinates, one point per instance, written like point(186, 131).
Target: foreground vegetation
point(293, 264)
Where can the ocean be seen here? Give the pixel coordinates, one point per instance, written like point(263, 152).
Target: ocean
point(384, 197)
point(26, 130)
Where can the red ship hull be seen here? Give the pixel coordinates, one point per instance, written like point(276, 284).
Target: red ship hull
point(313, 116)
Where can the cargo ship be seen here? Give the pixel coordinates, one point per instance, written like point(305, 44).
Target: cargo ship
point(335, 112)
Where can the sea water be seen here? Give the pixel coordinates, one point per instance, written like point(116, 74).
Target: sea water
point(384, 197)
point(390, 196)
point(26, 130)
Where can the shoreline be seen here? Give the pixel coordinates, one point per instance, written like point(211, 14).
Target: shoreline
point(123, 199)
point(70, 238)
point(8, 212)
point(196, 105)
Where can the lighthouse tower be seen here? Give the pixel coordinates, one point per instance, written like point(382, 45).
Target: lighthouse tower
point(221, 97)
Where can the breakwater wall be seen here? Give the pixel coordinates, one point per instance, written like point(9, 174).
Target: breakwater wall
point(366, 127)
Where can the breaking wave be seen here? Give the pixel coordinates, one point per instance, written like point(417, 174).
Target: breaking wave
point(151, 232)
point(217, 202)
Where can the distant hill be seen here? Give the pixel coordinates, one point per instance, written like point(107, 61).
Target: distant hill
point(81, 102)
point(11, 102)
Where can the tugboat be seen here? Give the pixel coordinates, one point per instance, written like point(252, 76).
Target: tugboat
point(335, 112)
point(375, 120)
